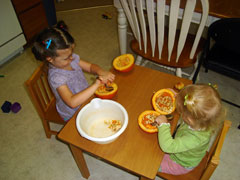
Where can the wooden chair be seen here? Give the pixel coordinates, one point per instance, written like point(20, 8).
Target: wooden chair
point(221, 52)
point(208, 164)
point(43, 99)
point(171, 48)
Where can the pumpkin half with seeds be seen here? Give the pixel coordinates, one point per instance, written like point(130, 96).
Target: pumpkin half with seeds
point(163, 101)
point(124, 63)
point(145, 120)
point(106, 91)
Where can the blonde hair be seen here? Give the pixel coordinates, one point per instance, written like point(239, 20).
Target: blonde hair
point(202, 104)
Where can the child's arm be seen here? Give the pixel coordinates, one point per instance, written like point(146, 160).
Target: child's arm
point(74, 100)
point(187, 141)
point(104, 76)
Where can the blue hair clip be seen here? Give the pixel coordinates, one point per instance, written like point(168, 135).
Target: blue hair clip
point(48, 43)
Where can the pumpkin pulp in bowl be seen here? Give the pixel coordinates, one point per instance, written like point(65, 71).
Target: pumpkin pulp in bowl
point(104, 93)
point(146, 118)
point(163, 101)
point(124, 63)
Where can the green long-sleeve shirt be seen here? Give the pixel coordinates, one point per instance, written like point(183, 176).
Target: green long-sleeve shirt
point(188, 147)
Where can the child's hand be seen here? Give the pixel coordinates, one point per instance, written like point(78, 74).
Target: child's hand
point(98, 82)
point(161, 119)
point(106, 76)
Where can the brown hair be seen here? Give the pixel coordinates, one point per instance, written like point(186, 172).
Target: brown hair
point(59, 39)
point(202, 104)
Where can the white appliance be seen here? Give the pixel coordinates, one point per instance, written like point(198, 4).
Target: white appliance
point(11, 35)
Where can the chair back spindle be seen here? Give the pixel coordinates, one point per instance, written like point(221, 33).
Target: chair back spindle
point(188, 13)
point(205, 10)
point(151, 23)
point(173, 19)
point(160, 25)
point(43, 99)
point(142, 25)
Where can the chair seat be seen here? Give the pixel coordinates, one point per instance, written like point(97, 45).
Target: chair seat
point(184, 60)
point(192, 175)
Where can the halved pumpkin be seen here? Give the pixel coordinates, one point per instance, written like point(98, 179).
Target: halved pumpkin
point(124, 63)
point(104, 93)
point(163, 101)
point(146, 118)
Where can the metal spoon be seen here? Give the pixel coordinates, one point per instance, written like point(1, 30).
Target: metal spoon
point(108, 88)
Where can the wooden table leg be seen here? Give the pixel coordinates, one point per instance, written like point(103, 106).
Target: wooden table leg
point(78, 156)
point(143, 178)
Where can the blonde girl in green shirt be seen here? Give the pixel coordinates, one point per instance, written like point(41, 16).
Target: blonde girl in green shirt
point(201, 113)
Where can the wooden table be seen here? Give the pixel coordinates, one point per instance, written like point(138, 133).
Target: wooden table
point(219, 8)
point(135, 150)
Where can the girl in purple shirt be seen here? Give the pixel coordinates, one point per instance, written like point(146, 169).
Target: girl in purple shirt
point(65, 73)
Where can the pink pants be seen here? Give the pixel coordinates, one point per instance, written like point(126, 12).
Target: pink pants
point(170, 167)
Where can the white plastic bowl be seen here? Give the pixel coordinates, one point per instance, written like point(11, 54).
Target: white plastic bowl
point(101, 109)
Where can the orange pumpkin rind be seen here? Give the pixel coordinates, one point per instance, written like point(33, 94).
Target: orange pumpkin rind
point(157, 94)
point(124, 63)
point(179, 86)
point(147, 128)
point(106, 94)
